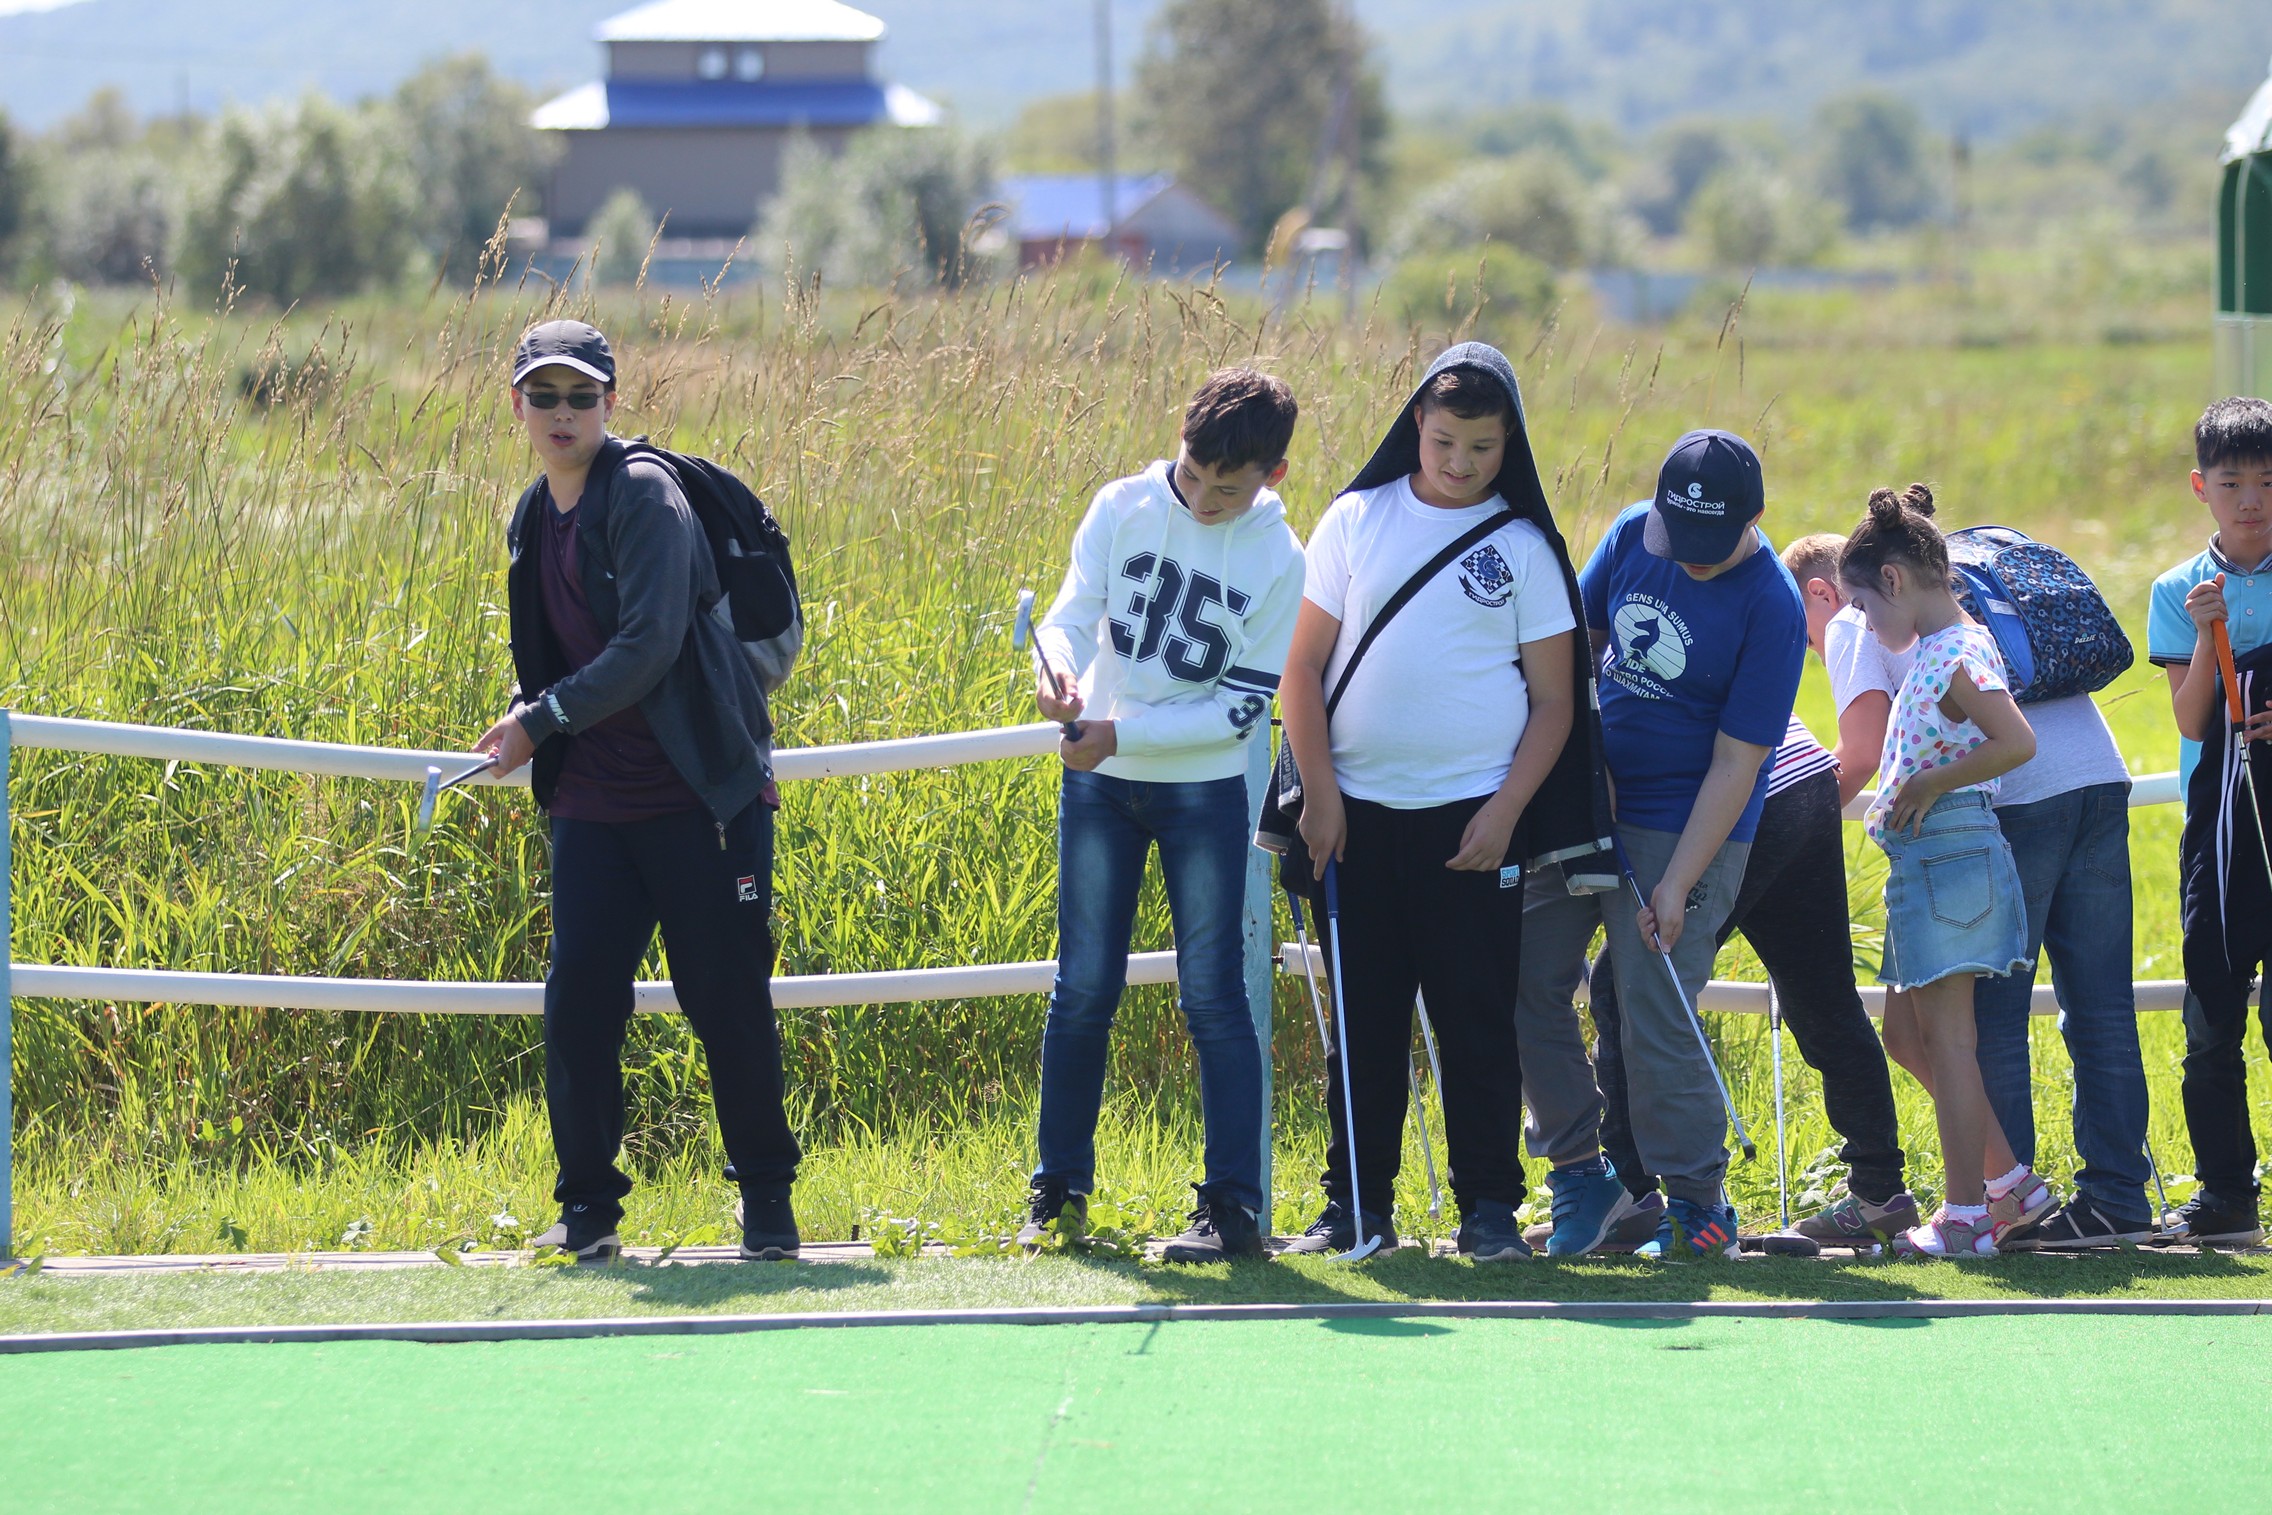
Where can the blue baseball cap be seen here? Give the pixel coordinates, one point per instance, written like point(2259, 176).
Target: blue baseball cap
point(1709, 491)
point(570, 344)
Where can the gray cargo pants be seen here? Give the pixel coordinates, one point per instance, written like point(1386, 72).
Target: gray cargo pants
point(1679, 1129)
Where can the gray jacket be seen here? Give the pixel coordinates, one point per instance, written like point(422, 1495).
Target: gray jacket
point(647, 574)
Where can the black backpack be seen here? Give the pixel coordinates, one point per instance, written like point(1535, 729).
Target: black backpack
point(747, 544)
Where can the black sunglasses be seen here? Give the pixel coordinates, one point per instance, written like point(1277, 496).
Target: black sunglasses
point(547, 399)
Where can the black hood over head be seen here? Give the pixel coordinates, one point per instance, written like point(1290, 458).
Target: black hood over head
point(1568, 820)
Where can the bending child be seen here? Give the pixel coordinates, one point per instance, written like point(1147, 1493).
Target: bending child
point(1165, 645)
point(1953, 905)
point(1418, 779)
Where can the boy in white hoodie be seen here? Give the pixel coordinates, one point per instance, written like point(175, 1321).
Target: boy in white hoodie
point(1165, 646)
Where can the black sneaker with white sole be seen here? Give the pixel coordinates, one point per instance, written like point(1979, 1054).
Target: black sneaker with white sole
point(1489, 1233)
point(1050, 1206)
point(583, 1233)
point(2207, 1220)
point(769, 1230)
point(2079, 1225)
point(1333, 1232)
point(1221, 1229)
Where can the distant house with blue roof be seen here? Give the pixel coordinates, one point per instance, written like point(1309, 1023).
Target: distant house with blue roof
point(700, 99)
point(1152, 221)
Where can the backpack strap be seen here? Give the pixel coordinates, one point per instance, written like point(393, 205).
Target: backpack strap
point(1404, 594)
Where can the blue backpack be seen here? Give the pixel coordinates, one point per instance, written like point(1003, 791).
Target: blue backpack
point(2050, 622)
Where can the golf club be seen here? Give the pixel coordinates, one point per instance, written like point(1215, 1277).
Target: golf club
point(1021, 636)
point(1411, 1075)
point(1782, 1162)
point(435, 784)
point(2160, 1193)
point(1743, 1137)
point(1419, 1111)
point(1366, 1245)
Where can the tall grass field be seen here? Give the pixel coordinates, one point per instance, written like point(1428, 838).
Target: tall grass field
point(293, 526)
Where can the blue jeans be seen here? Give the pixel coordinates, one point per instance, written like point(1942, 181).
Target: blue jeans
point(2073, 855)
point(1105, 829)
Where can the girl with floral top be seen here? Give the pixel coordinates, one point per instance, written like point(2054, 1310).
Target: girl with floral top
point(1953, 905)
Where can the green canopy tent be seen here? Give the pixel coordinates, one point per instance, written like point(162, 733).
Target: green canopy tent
point(2244, 253)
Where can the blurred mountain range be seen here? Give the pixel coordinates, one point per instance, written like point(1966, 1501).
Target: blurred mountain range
point(1983, 67)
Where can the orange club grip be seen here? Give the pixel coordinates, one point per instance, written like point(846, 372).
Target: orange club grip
point(2225, 670)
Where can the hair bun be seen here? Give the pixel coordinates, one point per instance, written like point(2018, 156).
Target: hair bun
point(1885, 508)
point(1918, 497)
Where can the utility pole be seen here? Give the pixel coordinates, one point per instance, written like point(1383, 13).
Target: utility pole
point(1107, 177)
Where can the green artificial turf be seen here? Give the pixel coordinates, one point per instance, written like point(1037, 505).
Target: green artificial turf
point(2000, 1413)
point(47, 1303)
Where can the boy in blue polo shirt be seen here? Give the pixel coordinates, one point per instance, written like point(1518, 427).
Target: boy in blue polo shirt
point(2230, 582)
point(1702, 637)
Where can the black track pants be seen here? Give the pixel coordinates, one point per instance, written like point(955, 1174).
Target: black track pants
point(712, 894)
point(1410, 924)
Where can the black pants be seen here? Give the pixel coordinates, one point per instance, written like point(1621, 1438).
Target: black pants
point(1411, 925)
point(2227, 917)
point(1792, 909)
point(711, 891)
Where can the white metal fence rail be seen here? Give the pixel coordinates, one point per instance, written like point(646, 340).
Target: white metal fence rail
point(816, 991)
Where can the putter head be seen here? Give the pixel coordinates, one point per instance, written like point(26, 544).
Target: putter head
point(1021, 630)
point(425, 821)
point(1365, 1248)
point(1750, 1150)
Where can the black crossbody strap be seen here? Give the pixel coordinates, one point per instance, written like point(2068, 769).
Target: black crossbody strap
point(1404, 594)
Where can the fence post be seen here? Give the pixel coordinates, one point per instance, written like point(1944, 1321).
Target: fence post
point(1261, 981)
point(7, 1019)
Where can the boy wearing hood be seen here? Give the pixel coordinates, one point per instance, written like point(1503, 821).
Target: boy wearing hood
point(1702, 638)
point(1163, 649)
point(1446, 764)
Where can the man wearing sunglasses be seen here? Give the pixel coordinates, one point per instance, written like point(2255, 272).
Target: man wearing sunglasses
point(651, 744)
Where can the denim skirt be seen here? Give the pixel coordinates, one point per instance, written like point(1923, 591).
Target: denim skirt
point(1953, 902)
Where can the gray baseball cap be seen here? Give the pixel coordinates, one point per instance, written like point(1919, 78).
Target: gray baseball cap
point(571, 344)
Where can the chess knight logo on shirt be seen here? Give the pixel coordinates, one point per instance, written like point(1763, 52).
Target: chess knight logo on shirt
point(1485, 578)
point(1651, 646)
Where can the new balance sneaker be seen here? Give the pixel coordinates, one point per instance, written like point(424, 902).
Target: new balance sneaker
point(2012, 1213)
point(1947, 1235)
point(1855, 1222)
point(1638, 1227)
point(583, 1233)
point(1690, 1230)
point(1333, 1232)
point(769, 1230)
point(1488, 1233)
point(1051, 1205)
point(2207, 1220)
point(2077, 1226)
point(1221, 1229)
point(1586, 1206)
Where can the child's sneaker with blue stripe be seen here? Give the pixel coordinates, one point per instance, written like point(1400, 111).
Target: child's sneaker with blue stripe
point(1690, 1231)
point(1589, 1199)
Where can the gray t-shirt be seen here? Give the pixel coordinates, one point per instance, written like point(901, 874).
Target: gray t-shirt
point(2073, 747)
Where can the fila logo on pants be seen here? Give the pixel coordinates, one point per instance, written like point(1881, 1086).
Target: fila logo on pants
point(745, 889)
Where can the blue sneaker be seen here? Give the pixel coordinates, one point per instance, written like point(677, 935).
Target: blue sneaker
point(1690, 1230)
point(1586, 1206)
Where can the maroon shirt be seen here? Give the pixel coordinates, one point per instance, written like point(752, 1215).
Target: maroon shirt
point(615, 770)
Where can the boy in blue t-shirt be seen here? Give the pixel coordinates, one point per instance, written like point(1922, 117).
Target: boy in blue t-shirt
point(2226, 910)
point(1702, 636)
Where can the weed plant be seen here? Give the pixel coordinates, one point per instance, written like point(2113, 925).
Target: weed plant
point(292, 525)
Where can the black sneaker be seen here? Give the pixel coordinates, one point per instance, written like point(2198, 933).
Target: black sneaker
point(769, 1230)
point(1332, 1232)
point(2206, 1220)
point(1489, 1234)
point(1221, 1228)
point(1049, 1201)
point(2079, 1225)
point(583, 1233)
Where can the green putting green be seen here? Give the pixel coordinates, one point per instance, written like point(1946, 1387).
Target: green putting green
point(1996, 1413)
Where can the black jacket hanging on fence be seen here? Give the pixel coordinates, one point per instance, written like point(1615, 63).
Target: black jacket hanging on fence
point(648, 576)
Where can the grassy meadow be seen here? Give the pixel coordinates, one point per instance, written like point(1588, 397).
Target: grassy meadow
point(293, 526)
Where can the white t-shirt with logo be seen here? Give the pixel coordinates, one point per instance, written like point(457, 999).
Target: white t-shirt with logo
point(1439, 703)
point(2073, 747)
